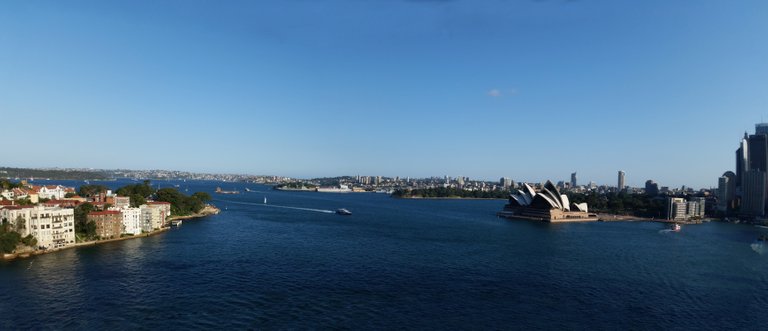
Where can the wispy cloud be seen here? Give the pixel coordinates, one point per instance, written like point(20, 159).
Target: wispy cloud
point(496, 92)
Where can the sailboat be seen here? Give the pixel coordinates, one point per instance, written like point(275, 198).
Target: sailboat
point(265, 200)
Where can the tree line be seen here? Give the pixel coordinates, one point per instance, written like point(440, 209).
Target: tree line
point(449, 192)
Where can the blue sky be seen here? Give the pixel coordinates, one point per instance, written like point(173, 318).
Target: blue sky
point(525, 89)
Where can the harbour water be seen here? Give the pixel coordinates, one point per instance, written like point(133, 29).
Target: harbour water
point(395, 263)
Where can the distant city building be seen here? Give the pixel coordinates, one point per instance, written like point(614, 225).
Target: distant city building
point(758, 152)
point(651, 188)
point(621, 180)
point(505, 182)
point(574, 183)
point(746, 190)
point(676, 209)
point(742, 163)
point(753, 193)
point(761, 128)
point(726, 191)
point(698, 208)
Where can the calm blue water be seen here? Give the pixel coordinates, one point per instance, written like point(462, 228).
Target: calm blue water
point(393, 264)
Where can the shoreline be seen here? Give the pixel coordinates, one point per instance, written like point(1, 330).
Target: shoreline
point(448, 198)
point(208, 210)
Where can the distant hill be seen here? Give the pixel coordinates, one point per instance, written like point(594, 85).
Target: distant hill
point(59, 174)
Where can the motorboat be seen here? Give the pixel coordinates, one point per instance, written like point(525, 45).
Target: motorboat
point(342, 211)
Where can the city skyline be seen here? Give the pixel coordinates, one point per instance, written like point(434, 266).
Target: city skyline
point(406, 88)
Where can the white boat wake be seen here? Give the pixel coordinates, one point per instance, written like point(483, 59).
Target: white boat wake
point(278, 206)
point(758, 247)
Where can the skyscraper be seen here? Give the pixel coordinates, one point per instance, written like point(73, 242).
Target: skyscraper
point(505, 182)
point(753, 193)
point(621, 180)
point(573, 180)
point(757, 152)
point(726, 191)
point(651, 188)
point(742, 164)
point(761, 128)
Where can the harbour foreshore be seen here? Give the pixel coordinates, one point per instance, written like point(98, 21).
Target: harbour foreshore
point(207, 211)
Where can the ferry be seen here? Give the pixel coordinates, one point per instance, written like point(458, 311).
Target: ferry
point(343, 211)
point(334, 189)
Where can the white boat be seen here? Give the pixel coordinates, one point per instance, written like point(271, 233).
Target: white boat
point(265, 200)
point(335, 189)
point(676, 227)
point(343, 211)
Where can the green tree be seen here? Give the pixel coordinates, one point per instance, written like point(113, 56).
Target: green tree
point(91, 190)
point(90, 229)
point(8, 241)
point(29, 240)
point(81, 217)
point(182, 204)
point(137, 200)
point(202, 196)
point(143, 190)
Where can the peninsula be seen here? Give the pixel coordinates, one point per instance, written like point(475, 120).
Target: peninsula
point(43, 219)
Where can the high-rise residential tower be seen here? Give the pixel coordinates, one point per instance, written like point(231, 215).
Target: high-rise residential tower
point(573, 180)
point(621, 180)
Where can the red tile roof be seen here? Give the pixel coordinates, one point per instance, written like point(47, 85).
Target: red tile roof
point(16, 207)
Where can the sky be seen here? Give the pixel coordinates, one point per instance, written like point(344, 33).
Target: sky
point(530, 90)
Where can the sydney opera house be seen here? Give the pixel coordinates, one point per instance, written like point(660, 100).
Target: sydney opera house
point(546, 205)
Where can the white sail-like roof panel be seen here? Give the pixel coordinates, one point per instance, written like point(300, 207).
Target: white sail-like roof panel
point(566, 203)
point(581, 207)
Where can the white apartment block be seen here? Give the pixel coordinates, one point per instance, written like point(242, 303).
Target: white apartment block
point(15, 214)
point(131, 220)
point(53, 227)
point(151, 218)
